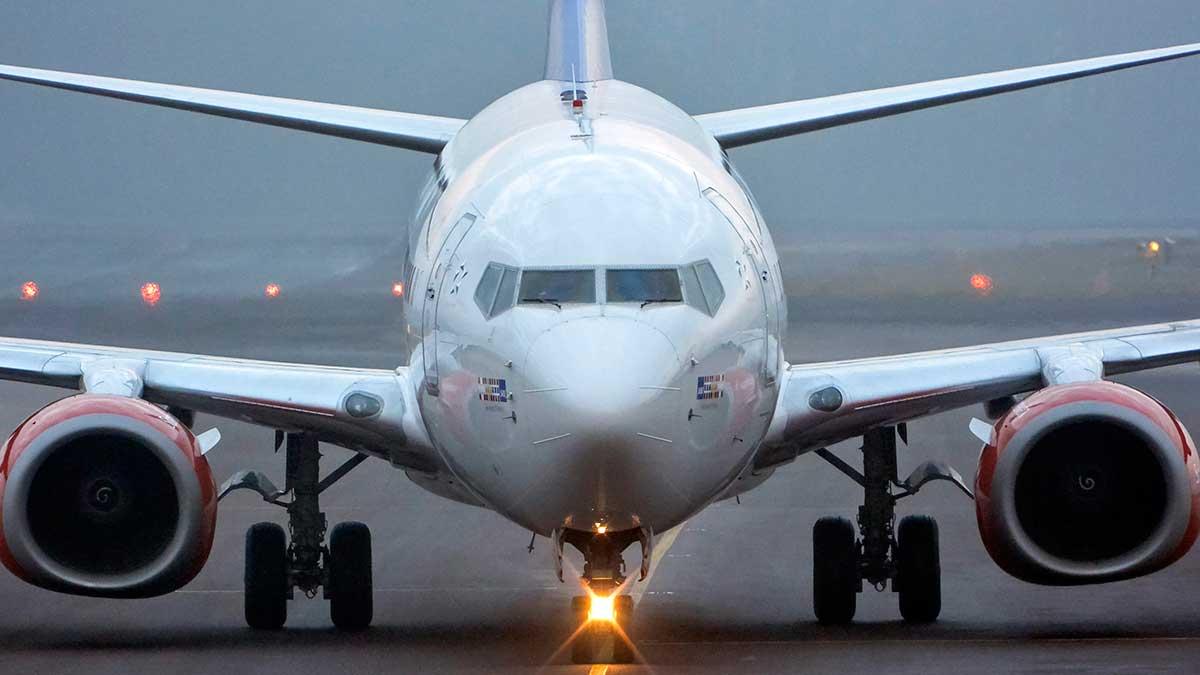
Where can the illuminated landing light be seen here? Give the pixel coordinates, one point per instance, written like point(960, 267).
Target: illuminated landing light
point(1154, 247)
point(29, 291)
point(601, 608)
point(398, 289)
point(601, 529)
point(982, 284)
point(151, 293)
point(271, 291)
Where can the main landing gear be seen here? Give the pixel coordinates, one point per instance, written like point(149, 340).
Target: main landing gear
point(604, 614)
point(907, 555)
point(274, 568)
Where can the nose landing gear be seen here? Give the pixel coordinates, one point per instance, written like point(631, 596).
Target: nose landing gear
point(605, 614)
point(274, 568)
point(907, 555)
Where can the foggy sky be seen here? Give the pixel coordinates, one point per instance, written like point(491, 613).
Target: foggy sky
point(1112, 150)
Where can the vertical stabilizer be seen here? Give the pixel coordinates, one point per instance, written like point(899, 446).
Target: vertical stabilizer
point(577, 41)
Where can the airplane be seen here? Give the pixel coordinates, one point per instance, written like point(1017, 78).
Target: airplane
point(594, 353)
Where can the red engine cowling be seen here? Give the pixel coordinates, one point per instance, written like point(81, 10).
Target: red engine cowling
point(1087, 483)
point(105, 496)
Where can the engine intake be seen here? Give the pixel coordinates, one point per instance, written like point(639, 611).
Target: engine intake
point(1087, 483)
point(105, 496)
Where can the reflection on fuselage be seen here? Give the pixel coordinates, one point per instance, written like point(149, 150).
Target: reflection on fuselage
point(599, 312)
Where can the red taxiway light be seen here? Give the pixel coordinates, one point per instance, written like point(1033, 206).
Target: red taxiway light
point(398, 289)
point(151, 293)
point(29, 290)
point(271, 291)
point(982, 284)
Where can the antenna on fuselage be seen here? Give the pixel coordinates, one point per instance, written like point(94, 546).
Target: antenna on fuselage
point(576, 101)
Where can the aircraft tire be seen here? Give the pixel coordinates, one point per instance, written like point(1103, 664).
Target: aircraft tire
point(582, 650)
point(918, 569)
point(623, 651)
point(266, 579)
point(351, 605)
point(835, 571)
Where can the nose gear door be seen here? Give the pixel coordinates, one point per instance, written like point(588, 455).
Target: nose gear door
point(444, 269)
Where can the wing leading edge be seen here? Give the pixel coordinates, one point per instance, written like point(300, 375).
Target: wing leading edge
point(893, 389)
point(287, 396)
point(734, 128)
point(424, 133)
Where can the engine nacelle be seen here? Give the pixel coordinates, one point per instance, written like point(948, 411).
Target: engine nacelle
point(105, 496)
point(1087, 483)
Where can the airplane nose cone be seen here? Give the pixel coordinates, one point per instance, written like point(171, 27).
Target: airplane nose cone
point(604, 406)
point(602, 375)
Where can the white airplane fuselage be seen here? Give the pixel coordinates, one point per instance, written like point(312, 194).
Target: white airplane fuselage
point(606, 413)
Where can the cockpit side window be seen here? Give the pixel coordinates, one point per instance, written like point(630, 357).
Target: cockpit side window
point(558, 287)
point(702, 287)
point(496, 292)
point(643, 285)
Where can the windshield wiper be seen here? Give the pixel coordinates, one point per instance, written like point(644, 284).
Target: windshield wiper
point(658, 300)
point(544, 301)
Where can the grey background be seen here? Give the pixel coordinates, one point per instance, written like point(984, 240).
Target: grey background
point(1117, 150)
point(880, 225)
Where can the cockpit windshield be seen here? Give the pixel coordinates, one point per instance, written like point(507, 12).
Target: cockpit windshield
point(557, 287)
point(694, 284)
point(643, 285)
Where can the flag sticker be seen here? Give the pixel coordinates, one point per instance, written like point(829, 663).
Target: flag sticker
point(494, 390)
point(709, 387)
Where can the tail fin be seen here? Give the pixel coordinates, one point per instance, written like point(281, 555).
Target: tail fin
point(577, 42)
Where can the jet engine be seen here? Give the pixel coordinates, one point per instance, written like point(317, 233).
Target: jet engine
point(105, 496)
point(1087, 483)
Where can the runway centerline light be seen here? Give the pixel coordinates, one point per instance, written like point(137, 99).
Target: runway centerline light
point(398, 289)
point(151, 293)
point(601, 608)
point(29, 291)
point(982, 284)
point(271, 291)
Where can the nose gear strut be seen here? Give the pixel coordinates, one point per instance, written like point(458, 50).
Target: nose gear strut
point(604, 613)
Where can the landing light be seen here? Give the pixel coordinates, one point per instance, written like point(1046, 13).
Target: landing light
point(29, 291)
point(1154, 246)
point(151, 293)
point(982, 284)
point(398, 289)
point(271, 291)
point(601, 608)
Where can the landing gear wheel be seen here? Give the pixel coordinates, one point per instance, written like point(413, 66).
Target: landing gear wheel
point(581, 647)
point(835, 570)
point(918, 569)
point(350, 602)
point(266, 576)
point(622, 651)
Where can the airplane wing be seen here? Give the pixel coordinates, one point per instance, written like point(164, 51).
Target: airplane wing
point(424, 133)
point(366, 410)
point(734, 128)
point(823, 403)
